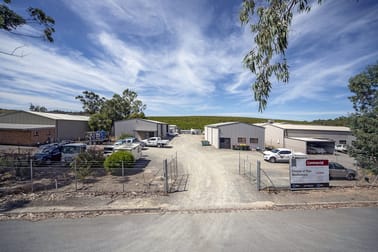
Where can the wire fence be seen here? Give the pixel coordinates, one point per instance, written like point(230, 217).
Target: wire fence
point(273, 178)
point(23, 176)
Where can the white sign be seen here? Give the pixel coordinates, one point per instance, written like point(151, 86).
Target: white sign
point(305, 173)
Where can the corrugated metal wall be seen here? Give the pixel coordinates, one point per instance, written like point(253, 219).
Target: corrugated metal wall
point(22, 117)
point(274, 136)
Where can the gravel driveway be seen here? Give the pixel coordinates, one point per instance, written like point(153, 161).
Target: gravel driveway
point(213, 174)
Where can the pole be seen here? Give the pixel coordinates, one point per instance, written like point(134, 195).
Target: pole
point(258, 175)
point(165, 169)
point(31, 175)
point(123, 179)
point(75, 175)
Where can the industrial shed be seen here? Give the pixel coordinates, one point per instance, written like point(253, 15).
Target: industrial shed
point(310, 139)
point(61, 126)
point(140, 128)
point(230, 134)
point(25, 134)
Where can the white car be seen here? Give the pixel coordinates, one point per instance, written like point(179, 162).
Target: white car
point(341, 148)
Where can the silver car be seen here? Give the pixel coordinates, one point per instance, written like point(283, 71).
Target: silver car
point(336, 170)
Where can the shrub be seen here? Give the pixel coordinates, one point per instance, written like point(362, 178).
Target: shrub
point(113, 163)
point(87, 161)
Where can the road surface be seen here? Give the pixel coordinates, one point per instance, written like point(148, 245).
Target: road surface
point(353, 229)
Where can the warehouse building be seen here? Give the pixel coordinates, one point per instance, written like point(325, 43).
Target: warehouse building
point(141, 128)
point(30, 128)
point(310, 139)
point(235, 134)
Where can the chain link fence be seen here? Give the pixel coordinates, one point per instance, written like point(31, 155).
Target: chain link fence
point(268, 177)
point(23, 175)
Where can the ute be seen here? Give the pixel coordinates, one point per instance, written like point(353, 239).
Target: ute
point(155, 142)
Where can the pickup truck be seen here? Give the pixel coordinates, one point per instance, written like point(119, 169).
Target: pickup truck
point(155, 142)
point(281, 155)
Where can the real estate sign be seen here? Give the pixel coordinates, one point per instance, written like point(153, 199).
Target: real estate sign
point(307, 173)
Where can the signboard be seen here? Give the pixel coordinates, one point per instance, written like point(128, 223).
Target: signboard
point(306, 173)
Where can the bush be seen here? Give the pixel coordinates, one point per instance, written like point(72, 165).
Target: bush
point(113, 163)
point(87, 161)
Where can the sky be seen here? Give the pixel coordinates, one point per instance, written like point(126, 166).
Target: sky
point(185, 57)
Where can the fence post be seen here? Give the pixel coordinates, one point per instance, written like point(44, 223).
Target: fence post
point(165, 170)
point(239, 162)
point(123, 178)
point(75, 175)
point(31, 175)
point(258, 177)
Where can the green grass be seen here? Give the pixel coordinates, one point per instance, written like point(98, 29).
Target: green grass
point(199, 122)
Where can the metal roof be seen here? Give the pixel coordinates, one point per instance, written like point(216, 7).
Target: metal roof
point(56, 116)
point(217, 125)
point(16, 126)
point(309, 127)
point(310, 139)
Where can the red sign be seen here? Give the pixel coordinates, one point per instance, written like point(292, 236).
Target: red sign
point(316, 162)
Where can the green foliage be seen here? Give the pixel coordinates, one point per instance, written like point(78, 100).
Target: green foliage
point(99, 122)
point(10, 21)
point(269, 22)
point(105, 112)
point(364, 122)
point(199, 122)
point(339, 121)
point(92, 103)
point(124, 135)
point(37, 108)
point(87, 161)
point(114, 162)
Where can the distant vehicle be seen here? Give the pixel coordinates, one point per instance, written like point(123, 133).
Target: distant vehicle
point(97, 137)
point(126, 141)
point(316, 150)
point(155, 142)
point(336, 170)
point(48, 153)
point(341, 148)
point(281, 155)
point(71, 151)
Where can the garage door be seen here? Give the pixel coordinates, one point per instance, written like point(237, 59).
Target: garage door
point(225, 143)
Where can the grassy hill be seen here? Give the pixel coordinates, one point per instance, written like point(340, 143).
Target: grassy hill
point(199, 122)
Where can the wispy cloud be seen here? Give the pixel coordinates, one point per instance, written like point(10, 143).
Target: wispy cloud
point(185, 57)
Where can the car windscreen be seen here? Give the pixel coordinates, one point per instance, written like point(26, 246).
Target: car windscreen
point(72, 149)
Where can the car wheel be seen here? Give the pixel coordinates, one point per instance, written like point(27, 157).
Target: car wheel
point(272, 160)
point(350, 177)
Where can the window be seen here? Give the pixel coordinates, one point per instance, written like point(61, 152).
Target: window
point(242, 140)
point(342, 142)
point(254, 140)
point(35, 133)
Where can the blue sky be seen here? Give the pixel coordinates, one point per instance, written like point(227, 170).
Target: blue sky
point(185, 57)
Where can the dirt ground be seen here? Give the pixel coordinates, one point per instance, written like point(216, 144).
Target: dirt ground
point(208, 178)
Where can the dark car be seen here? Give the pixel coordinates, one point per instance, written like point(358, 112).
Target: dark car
point(336, 170)
point(48, 153)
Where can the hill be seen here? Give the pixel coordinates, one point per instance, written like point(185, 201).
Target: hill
point(199, 122)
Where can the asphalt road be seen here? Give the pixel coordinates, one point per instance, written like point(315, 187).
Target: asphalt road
point(353, 229)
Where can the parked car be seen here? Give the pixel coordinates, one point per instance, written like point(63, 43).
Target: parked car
point(155, 141)
point(47, 153)
point(280, 155)
point(316, 150)
point(341, 148)
point(71, 151)
point(336, 170)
